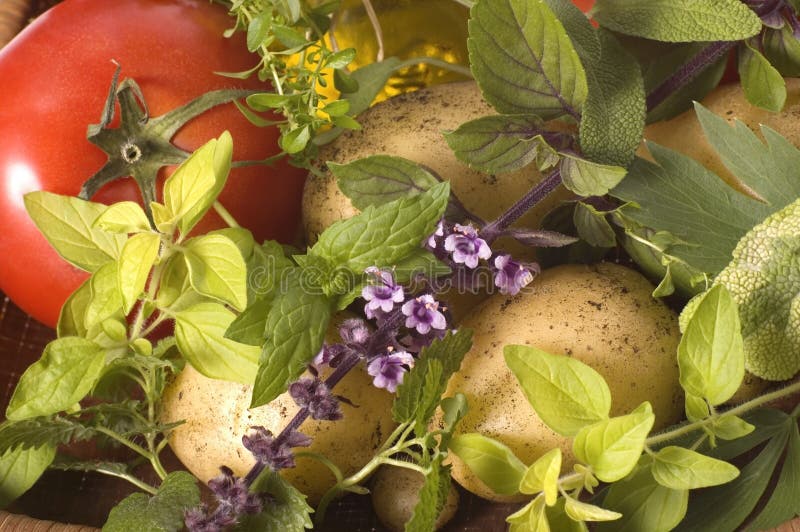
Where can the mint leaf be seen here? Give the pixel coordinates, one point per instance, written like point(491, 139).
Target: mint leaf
point(566, 393)
point(296, 326)
point(432, 498)
point(382, 237)
point(161, 512)
point(65, 374)
point(523, 60)
point(491, 461)
point(267, 267)
point(502, 143)
point(137, 258)
point(587, 178)
point(123, 217)
point(217, 269)
point(200, 333)
point(250, 327)
point(678, 20)
point(68, 224)
point(684, 469)
point(763, 85)
point(20, 468)
point(543, 475)
point(379, 179)
point(286, 511)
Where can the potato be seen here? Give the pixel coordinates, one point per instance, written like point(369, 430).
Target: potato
point(602, 315)
point(217, 416)
point(395, 493)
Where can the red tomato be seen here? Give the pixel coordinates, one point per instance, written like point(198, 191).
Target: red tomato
point(55, 79)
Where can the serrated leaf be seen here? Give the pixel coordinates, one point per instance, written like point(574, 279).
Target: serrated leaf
point(289, 511)
point(161, 512)
point(592, 226)
point(502, 143)
point(432, 498)
point(763, 85)
point(581, 511)
point(20, 468)
point(730, 427)
point(250, 327)
point(566, 393)
point(123, 217)
point(587, 178)
point(200, 334)
point(684, 469)
point(67, 223)
point(379, 179)
point(613, 446)
point(135, 262)
point(523, 60)
point(65, 374)
point(217, 269)
point(267, 267)
point(678, 20)
point(542, 476)
point(491, 461)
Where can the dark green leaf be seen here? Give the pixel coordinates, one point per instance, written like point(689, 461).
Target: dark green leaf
point(432, 498)
point(36, 432)
point(593, 227)
point(161, 512)
point(250, 327)
point(783, 50)
point(20, 468)
point(286, 509)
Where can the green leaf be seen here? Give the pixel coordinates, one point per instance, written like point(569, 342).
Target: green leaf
point(65, 374)
point(123, 217)
point(175, 292)
point(523, 60)
point(200, 333)
point(592, 226)
point(491, 461)
point(542, 476)
point(763, 85)
point(379, 179)
point(613, 446)
point(191, 190)
point(502, 143)
point(684, 469)
point(696, 408)
point(453, 411)
point(217, 269)
point(295, 140)
point(581, 511)
point(678, 20)
point(67, 223)
point(71, 317)
point(296, 325)
point(566, 393)
point(250, 327)
point(382, 237)
point(161, 512)
point(768, 422)
point(267, 266)
point(340, 59)
point(530, 518)
point(288, 511)
point(105, 297)
point(559, 521)
point(645, 505)
point(432, 498)
point(711, 351)
point(135, 262)
point(784, 502)
point(730, 427)
point(419, 261)
point(20, 468)
point(586, 178)
point(782, 49)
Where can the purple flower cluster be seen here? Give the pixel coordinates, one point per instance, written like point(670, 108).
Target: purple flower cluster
point(388, 368)
point(275, 453)
point(317, 397)
point(233, 500)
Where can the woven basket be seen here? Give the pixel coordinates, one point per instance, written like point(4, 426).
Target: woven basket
point(87, 498)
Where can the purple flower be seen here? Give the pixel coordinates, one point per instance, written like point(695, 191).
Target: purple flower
point(316, 396)
point(388, 369)
point(415, 342)
point(511, 276)
point(382, 295)
point(233, 500)
point(423, 314)
point(466, 246)
point(199, 520)
point(275, 453)
point(355, 332)
point(439, 232)
point(329, 354)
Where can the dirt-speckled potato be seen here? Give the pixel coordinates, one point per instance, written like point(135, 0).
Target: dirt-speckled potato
point(602, 315)
point(395, 493)
point(217, 416)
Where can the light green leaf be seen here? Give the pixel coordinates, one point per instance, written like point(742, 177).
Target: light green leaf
point(592, 226)
point(491, 461)
point(730, 427)
point(586, 178)
point(523, 60)
point(20, 468)
point(191, 190)
point(581, 511)
point(559, 520)
point(542, 476)
point(295, 140)
point(502, 143)
point(123, 217)
point(696, 408)
point(65, 374)
point(67, 223)
point(530, 518)
point(175, 291)
point(106, 299)
point(763, 85)
point(135, 262)
point(453, 411)
point(613, 446)
point(341, 58)
point(217, 269)
point(200, 333)
point(711, 351)
point(678, 20)
point(566, 393)
point(71, 317)
point(684, 469)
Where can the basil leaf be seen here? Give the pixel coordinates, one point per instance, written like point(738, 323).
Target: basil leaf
point(288, 510)
point(684, 469)
point(542, 476)
point(200, 334)
point(432, 498)
point(613, 446)
point(730, 427)
point(566, 393)
point(491, 461)
point(65, 374)
point(582, 511)
point(587, 178)
point(678, 20)
point(20, 468)
point(217, 269)
point(67, 223)
point(135, 262)
point(161, 512)
point(523, 60)
point(763, 85)
point(123, 217)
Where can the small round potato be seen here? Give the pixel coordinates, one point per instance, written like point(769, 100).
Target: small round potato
point(602, 315)
point(395, 493)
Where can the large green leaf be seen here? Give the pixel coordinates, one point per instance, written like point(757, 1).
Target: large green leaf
point(20, 468)
point(217, 269)
point(163, 512)
point(491, 461)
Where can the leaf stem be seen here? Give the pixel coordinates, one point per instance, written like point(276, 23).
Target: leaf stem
point(132, 479)
point(129, 444)
point(225, 214)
